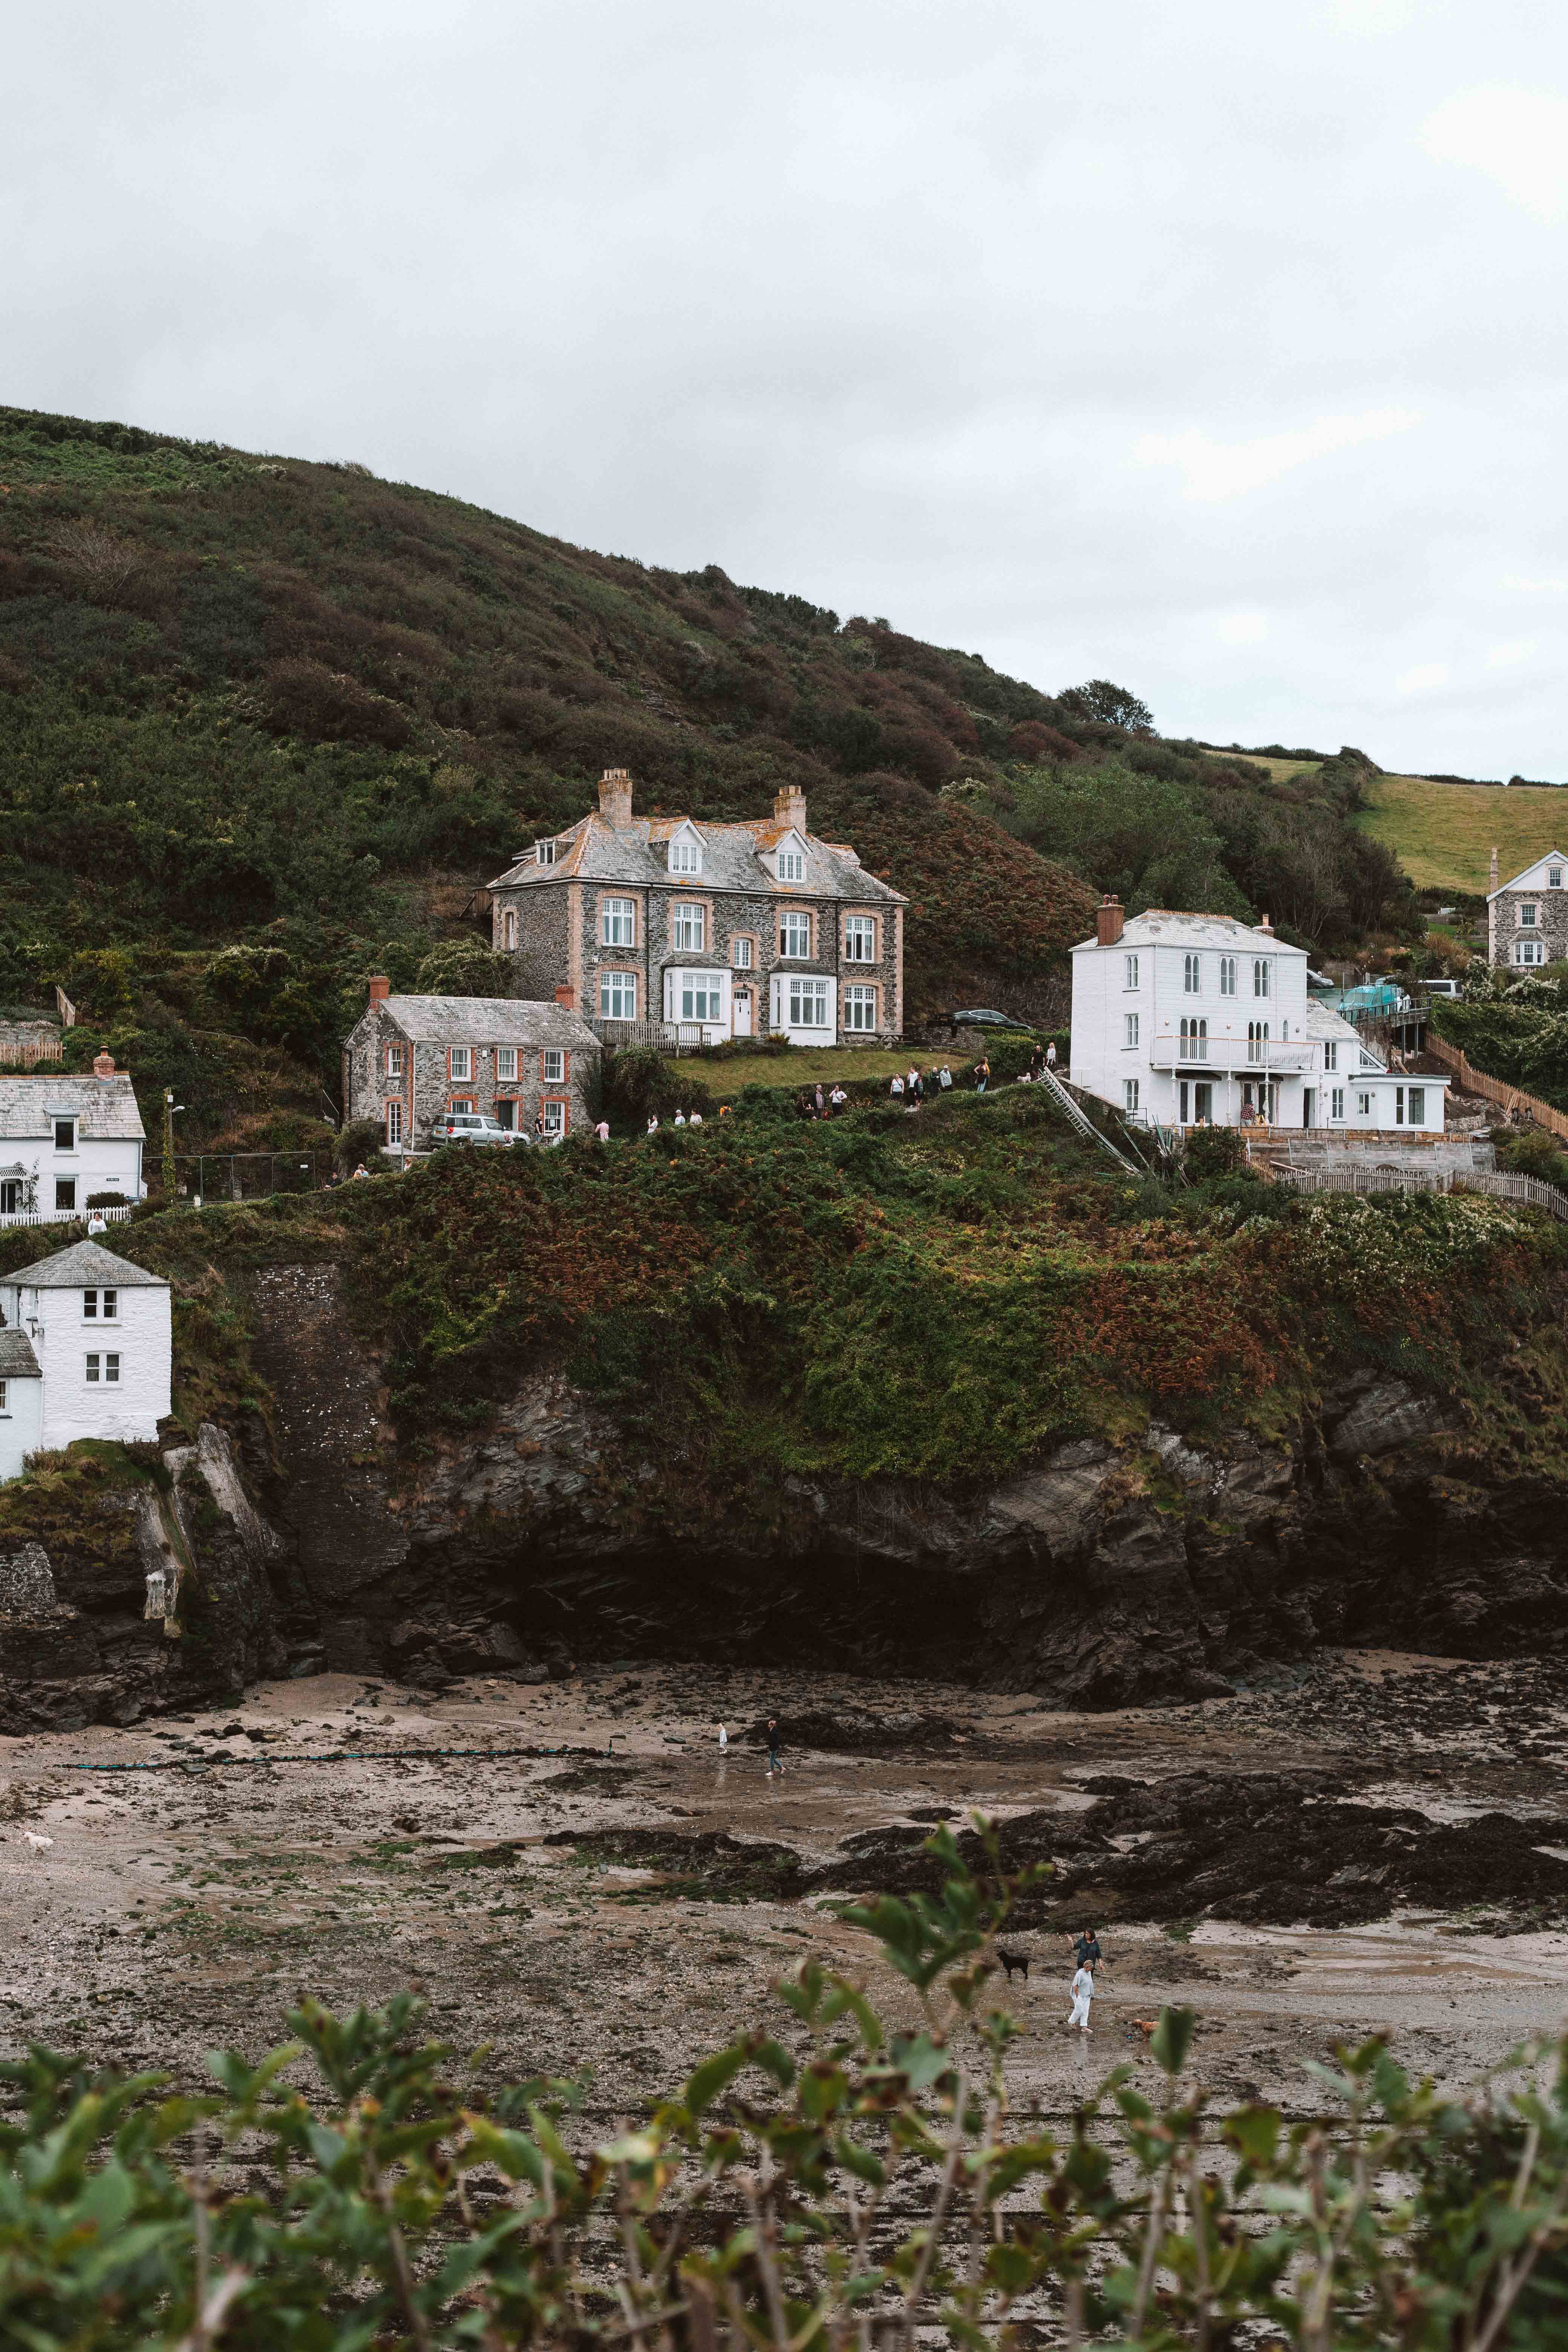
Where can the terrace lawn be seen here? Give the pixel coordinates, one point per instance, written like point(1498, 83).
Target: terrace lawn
point(804, 1064)
point(1443, 833)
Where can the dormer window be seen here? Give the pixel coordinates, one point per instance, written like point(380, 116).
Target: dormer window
point(544, 853)
point(1554, 878)
point(65, 1135)
point(792, 865)
point(685, 858)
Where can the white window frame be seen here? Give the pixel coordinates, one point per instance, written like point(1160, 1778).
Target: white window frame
point(792, 865)
point(67, 1127)
point(1130, 1096)
point(395, 1063)
point(740, 954)
point(460, 1064)
point(1364, 1105)
point(1192, 1043)
point(1416, 1106)
point(506, 1065)
point(1257, 1041)
point(553, 1066)
point(1527, 951)
point(109, 1378)
point(795, 924)
point(617, 989)
point(1331, 1053)
point(859, 938)
point(5, 1408)
point(699, 989)
point(617, 923)
point(544, 853)
point(394, 1121)
point(553, 1115)
point(1262, 976)
point(1131, 1024)
point(1554, 878)
point(1130, 972)
point(1228, 975)
point(509, 930)
point(1191, 975)
point(802, 988)
point(1336, 1103)
point(1529, 914)
point(685, 858)
point(860, 1007)
point(688, 926)
point(65, 1184)
point(101, 1306)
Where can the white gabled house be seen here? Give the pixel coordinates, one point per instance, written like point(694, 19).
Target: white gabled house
point(86, 1351)
point(67, 1139)
point(1181, 1019)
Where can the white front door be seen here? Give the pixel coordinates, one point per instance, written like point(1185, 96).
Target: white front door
point(741, 1003)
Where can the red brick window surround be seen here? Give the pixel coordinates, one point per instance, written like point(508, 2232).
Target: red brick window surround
point(506, 1071)
point(394, 1064)
point(460, 1065)
point(556, 1113)
point(554, 1067)
point(790, 922)
point(682, 912)
point(862, 1007)
point(616, 922)
point(394, 1121)
point(745, 952)
point(861, 944)
point(461, 1102)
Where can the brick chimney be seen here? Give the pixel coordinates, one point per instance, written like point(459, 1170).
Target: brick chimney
point(565, 997)
point(1492, 884)
point(103, 1066)
point(380, 988)
point(1108, 916)
point(789, 806)
point(1263, 922)
point(616, 797)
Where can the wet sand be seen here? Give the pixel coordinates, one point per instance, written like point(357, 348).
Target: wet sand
point(182, 1909)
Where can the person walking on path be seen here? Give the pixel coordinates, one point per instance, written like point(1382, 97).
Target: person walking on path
point(982, 1075)
point(1086, 1950)
point(1082, 1994)
point(1051, 1054)
point(724, 1739)
point(774, 1764)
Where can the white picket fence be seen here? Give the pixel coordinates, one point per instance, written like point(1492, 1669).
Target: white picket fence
point(1503, 1186)
point(61, 1217)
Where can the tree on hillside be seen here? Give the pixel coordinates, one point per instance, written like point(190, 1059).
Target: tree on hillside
point(466, 968)
point(1145, 837)
point(1112, 706)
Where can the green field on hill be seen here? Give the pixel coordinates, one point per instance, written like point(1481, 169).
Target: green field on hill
point(1443, 834)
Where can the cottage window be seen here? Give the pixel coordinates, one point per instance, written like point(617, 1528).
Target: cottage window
point(1364, 1105)
point(741, 949)
point(553, 1115)
point(1262, 969)
point(859, 939)
point(65, 1191)
point(1416, 1105)
point(1527, 914)
point(794, 935)
point(1331, 1056)
point(1337, 1103)
point(617, 923)
point(1257, 1041)
point(1129, 978)
point(1130, 1095)
point(4, 1406)
point(702, 996)
point(544, 853)
point(809, 1004)
point(506, 1065)
point(394, 1061)
point(552, 1065)
point(1195, 1041)
point(689, 924)
point(394, 1123)
point(101, 1370)
point(10, 1196)
point(1529, 951)
point(685, 858)
point(617, 996)
point(1130, 1025)
point(508, 930)
point(860, 1007)
point(1228, 975)
point(65, 1135)
point(1192, 974)
point(462, 1061)
point(1554, 878)
point(91, 1304)
point(792, 865)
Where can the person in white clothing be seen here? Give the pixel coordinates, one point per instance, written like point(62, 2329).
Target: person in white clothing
point(1082, 1994)
point(723, 1737)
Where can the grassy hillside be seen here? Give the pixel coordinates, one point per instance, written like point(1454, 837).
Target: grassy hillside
point(1443, 834)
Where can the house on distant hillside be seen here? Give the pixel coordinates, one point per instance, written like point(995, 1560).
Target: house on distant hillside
point(409, 1058)
point(720, 930)
point(1527, 918)
point(1184, 1020)
point(86, 1351)
point(64, 1141)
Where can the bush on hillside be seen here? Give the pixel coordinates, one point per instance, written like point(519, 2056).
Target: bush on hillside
point(465, 967)
point(636, 1082)
point(1531, 1151)
point(1211, 1151)
point(359, 1144)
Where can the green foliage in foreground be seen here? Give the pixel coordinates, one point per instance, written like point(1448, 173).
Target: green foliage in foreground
point(842, 2185)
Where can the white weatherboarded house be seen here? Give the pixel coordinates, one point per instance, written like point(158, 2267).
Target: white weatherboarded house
point(1184, 1019)
point(64, 1139)
point(100, 1335)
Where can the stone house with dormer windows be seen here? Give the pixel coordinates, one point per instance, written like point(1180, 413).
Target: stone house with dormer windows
point(409, 1058)
point(717, 930)
point(1527, 918)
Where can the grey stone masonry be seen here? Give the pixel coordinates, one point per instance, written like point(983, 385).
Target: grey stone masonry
point(409, 1058)
point(1526, 918)
point(736, 928)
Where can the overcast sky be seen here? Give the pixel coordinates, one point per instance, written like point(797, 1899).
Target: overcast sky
point(1217, 349)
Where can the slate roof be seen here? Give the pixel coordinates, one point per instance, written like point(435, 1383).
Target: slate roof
point(1166, 928)
point(17, 1361)
point(105, 1107)
point(84, 1264)
point(488, 1021)
point(732, 861)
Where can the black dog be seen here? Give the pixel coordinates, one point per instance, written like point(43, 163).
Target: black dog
point(1011, 1961)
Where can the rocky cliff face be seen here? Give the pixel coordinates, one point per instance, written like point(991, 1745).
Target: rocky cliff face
point(1106, 1576)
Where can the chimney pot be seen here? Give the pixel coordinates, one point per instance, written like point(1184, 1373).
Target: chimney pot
point(103, 1066)
point(615, 798)
point(566, 998)
point(380, 988)
point(1109, 917)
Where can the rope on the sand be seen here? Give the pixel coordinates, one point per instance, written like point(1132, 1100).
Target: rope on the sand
point(332, 1756)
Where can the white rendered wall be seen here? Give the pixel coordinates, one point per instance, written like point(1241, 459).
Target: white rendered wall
point(20, 1425)
point(111, 1164)
point(141, 1335)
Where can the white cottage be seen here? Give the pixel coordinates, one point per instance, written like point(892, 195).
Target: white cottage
point(88, 1342)
point(1184, 1019)
point(67, 1139)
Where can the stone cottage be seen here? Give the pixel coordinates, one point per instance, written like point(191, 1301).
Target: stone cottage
point(86, 1351)
point(409, 1058)
point(721, 930)
point(1527, 918)
point(65, 1140)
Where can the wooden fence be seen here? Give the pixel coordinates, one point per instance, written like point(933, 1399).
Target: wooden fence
point(1510, 1098)
point(1528, 1189)
point(24, 1054)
